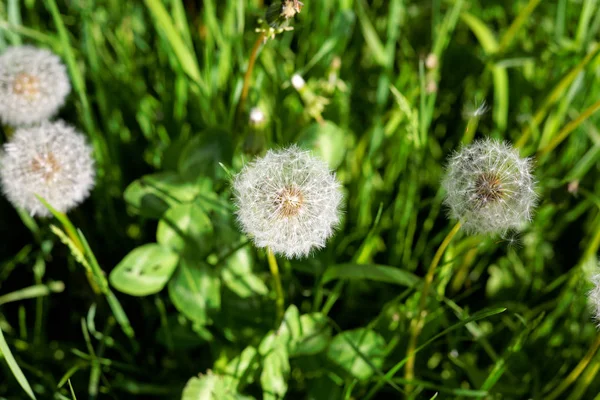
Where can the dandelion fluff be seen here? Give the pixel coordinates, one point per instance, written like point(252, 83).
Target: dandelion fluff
point(288, 201)
point(51, 160)
point(33, 85)
point(489, 187)
point(594, 298)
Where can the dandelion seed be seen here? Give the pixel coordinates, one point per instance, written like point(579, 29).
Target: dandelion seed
point(51, 160)
point(33, 85)
point(475, 110)
point(489, 187)
point(288, 201)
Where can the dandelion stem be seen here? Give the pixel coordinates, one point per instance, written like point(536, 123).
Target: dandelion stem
point(278, 288)
point(248, 75)
point(572, 377)
point(417, 323)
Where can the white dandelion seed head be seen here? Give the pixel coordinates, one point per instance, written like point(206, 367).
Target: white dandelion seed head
point(288, 201)
point(594, 299)
point(33, 85)
point(489, 187)
point(51, 160)
point(298, 81)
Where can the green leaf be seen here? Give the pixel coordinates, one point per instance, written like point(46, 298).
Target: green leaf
point(276, 370)
point(14, 367)
point(210, 387)
point(185, 56)
point(351, 349)
point(195, 290)
point(145, 270)
point(242, 366)
point(314, 335)
point(372, 272)
point(482, 32)
point(327, 141)
point(203, 153)
point(152, 195)
point(238, 276)
point(32, 292)
point(184, 226)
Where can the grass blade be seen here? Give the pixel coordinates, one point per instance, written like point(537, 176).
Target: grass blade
point(14, 367)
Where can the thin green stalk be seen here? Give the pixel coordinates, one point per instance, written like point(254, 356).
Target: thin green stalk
point(512, 31)
point(572, 377)
point(248, 75)
point(278, 288)
point(418, 322)
point(555, 95)
point(570, 127)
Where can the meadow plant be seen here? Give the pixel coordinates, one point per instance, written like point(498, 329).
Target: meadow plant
point(33, 85)
point(288, 201)
point(51, 160)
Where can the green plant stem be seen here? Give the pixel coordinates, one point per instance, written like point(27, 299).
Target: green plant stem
point(248, 74)
point(278, 288)
point(417, 323)
point(572, 377)
point(570, 127)
point(555, 95)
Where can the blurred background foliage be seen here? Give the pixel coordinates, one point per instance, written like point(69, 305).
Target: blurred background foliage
point(391, 91)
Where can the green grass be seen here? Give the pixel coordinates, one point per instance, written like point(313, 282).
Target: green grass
point(156, 88)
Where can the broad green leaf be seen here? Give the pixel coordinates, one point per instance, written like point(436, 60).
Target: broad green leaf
point(152, 195)
point(351, 349)
point(315, 335)
point(372, 272)
point(327, 141)
point(184, 226)
point(210, 387)
point(14, 367)
point(243, 366)
point(238, 276)
point(177, 333)
point(195, 290)
point(275, 373)
point(145, 270)
point(204, 152)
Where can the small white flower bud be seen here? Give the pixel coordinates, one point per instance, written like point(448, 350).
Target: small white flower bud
point(489, 187)
point(257, 116)
point(33, 85)
point(288, 201)
point(51, 160)
point(298, 82)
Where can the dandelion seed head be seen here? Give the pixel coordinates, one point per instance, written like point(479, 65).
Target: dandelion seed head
point(594, 299)
point(51, 160)
point(489, 187)
point(33, 85)
point(288, 201)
